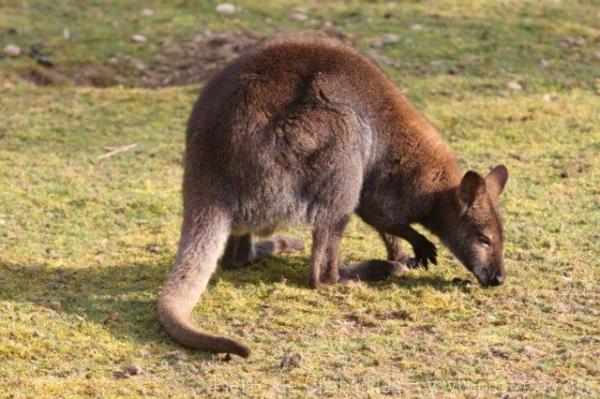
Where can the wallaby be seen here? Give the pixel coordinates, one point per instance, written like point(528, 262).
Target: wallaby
point(306, 129)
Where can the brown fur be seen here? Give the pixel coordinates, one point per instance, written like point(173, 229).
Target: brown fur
point(307, 129)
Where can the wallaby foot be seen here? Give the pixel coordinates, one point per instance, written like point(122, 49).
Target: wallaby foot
point(372, 270)
point(278, 245)
point(241, 251)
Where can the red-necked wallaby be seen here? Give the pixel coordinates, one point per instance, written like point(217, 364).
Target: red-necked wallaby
point(306, 129)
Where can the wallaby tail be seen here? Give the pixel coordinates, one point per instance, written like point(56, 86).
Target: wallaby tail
point(202, 241)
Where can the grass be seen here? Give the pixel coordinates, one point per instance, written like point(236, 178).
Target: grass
point(86, 243)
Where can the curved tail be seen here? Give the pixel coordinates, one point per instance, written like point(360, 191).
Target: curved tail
point(199, 250)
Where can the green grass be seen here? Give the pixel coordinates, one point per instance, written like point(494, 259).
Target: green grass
point(82, 239)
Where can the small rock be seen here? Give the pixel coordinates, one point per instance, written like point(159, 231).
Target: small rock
point(119, 375)
point(45, 61)
point(561, 307)
point(390, 38)
point(133, 62)
point(528, 350)
point(298, 16)
point(362, 320)
point(569, 41)
point(223, 388)
point(245, 331)
point(291, 360)
point(395, 315)
point(145, 353)
point(147, 12)
point(36, 50)
point(389, 390)
point(154, 248)
point(137, 38)
point(66, 33)
point(597, 55)
point(225, 9)
point(545, 63)
point(54, 305)
point(416, 27)
point(548, 98)
point(127, 372)
point(377, 42)
point(175, 357)
point(461, 282)
point(133, 370)
point(514, 85)
point(112, 318)
point(12, 51)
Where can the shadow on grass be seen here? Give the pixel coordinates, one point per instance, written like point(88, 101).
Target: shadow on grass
point(123, 297)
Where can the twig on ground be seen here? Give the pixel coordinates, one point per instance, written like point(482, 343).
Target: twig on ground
point(118, 150)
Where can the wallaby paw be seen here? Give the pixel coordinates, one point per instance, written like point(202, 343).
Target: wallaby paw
point(425, 252)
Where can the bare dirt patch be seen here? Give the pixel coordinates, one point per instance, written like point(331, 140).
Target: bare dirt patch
point(182, 62)
point(196, 60)
point(96, 75)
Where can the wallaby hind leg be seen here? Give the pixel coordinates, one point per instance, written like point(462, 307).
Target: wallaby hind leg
point(239, 251)
point(242, 251)
point(331, 274)
point(318, 256)
point(325, 252)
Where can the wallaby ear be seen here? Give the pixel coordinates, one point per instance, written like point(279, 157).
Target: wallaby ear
point(471, 186)
point(496, 180)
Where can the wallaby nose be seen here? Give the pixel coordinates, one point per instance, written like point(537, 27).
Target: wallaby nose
point(498, 279)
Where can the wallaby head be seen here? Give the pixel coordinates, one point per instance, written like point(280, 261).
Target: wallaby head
point(476, 236)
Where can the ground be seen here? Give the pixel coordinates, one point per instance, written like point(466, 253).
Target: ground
point(85, 241)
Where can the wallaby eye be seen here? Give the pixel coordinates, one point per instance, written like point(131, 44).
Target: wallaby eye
point(483, 239)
